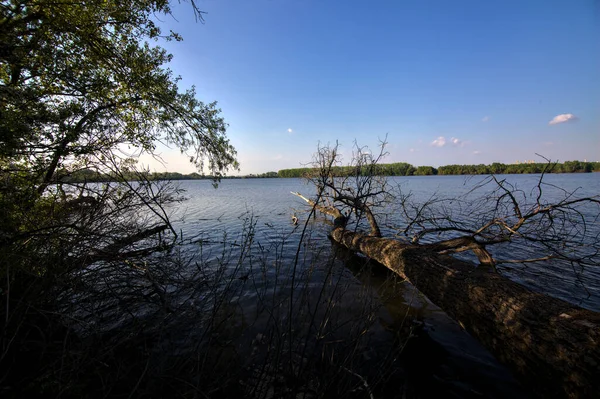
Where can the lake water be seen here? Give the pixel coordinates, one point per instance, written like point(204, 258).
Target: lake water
point(245, 227)
point(268, 205)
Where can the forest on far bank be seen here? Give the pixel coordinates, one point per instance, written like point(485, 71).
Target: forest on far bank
point(406, 169)
point(390, 169)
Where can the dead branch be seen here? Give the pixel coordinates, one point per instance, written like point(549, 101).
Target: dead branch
point(338, 216)
point(543, 339)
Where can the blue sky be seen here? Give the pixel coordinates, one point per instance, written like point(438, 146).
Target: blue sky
point(447, 81)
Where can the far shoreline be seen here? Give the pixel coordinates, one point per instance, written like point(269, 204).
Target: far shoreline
point(392, 169)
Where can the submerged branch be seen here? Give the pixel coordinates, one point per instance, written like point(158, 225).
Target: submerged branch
point(340, 219)
point(112, 251)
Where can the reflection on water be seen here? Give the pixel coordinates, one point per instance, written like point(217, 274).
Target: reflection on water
point(284, 269)
point(218, 215)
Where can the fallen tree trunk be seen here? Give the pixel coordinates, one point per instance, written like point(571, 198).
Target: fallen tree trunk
point(551, 345)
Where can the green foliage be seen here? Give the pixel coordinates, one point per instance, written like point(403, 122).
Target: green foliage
point(425, 171)
point(500, 168)
point(89, 176)
point(296, 172)
point(80, 79)
point(267, 175)
point(82, 85)
point(405, 169)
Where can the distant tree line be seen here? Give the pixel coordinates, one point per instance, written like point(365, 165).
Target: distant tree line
point(267, 175)
point(390, 169)
point(406, 169)
point(500, 168)
point(90, 175)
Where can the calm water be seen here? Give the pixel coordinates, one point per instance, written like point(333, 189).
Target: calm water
point(246, 225)
point(213, 216)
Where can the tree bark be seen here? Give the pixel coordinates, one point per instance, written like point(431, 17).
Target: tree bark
point(551, 345)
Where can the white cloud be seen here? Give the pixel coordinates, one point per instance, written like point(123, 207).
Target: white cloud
point(562, 118)
point(442, 142)
point(412, 150)
point(439, 142)
point(290, 130)
point(485, 118)
point(476, 152)
point(548, 143)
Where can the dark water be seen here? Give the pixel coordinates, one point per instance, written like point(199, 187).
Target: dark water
point(247, 223)
point(215, 214)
